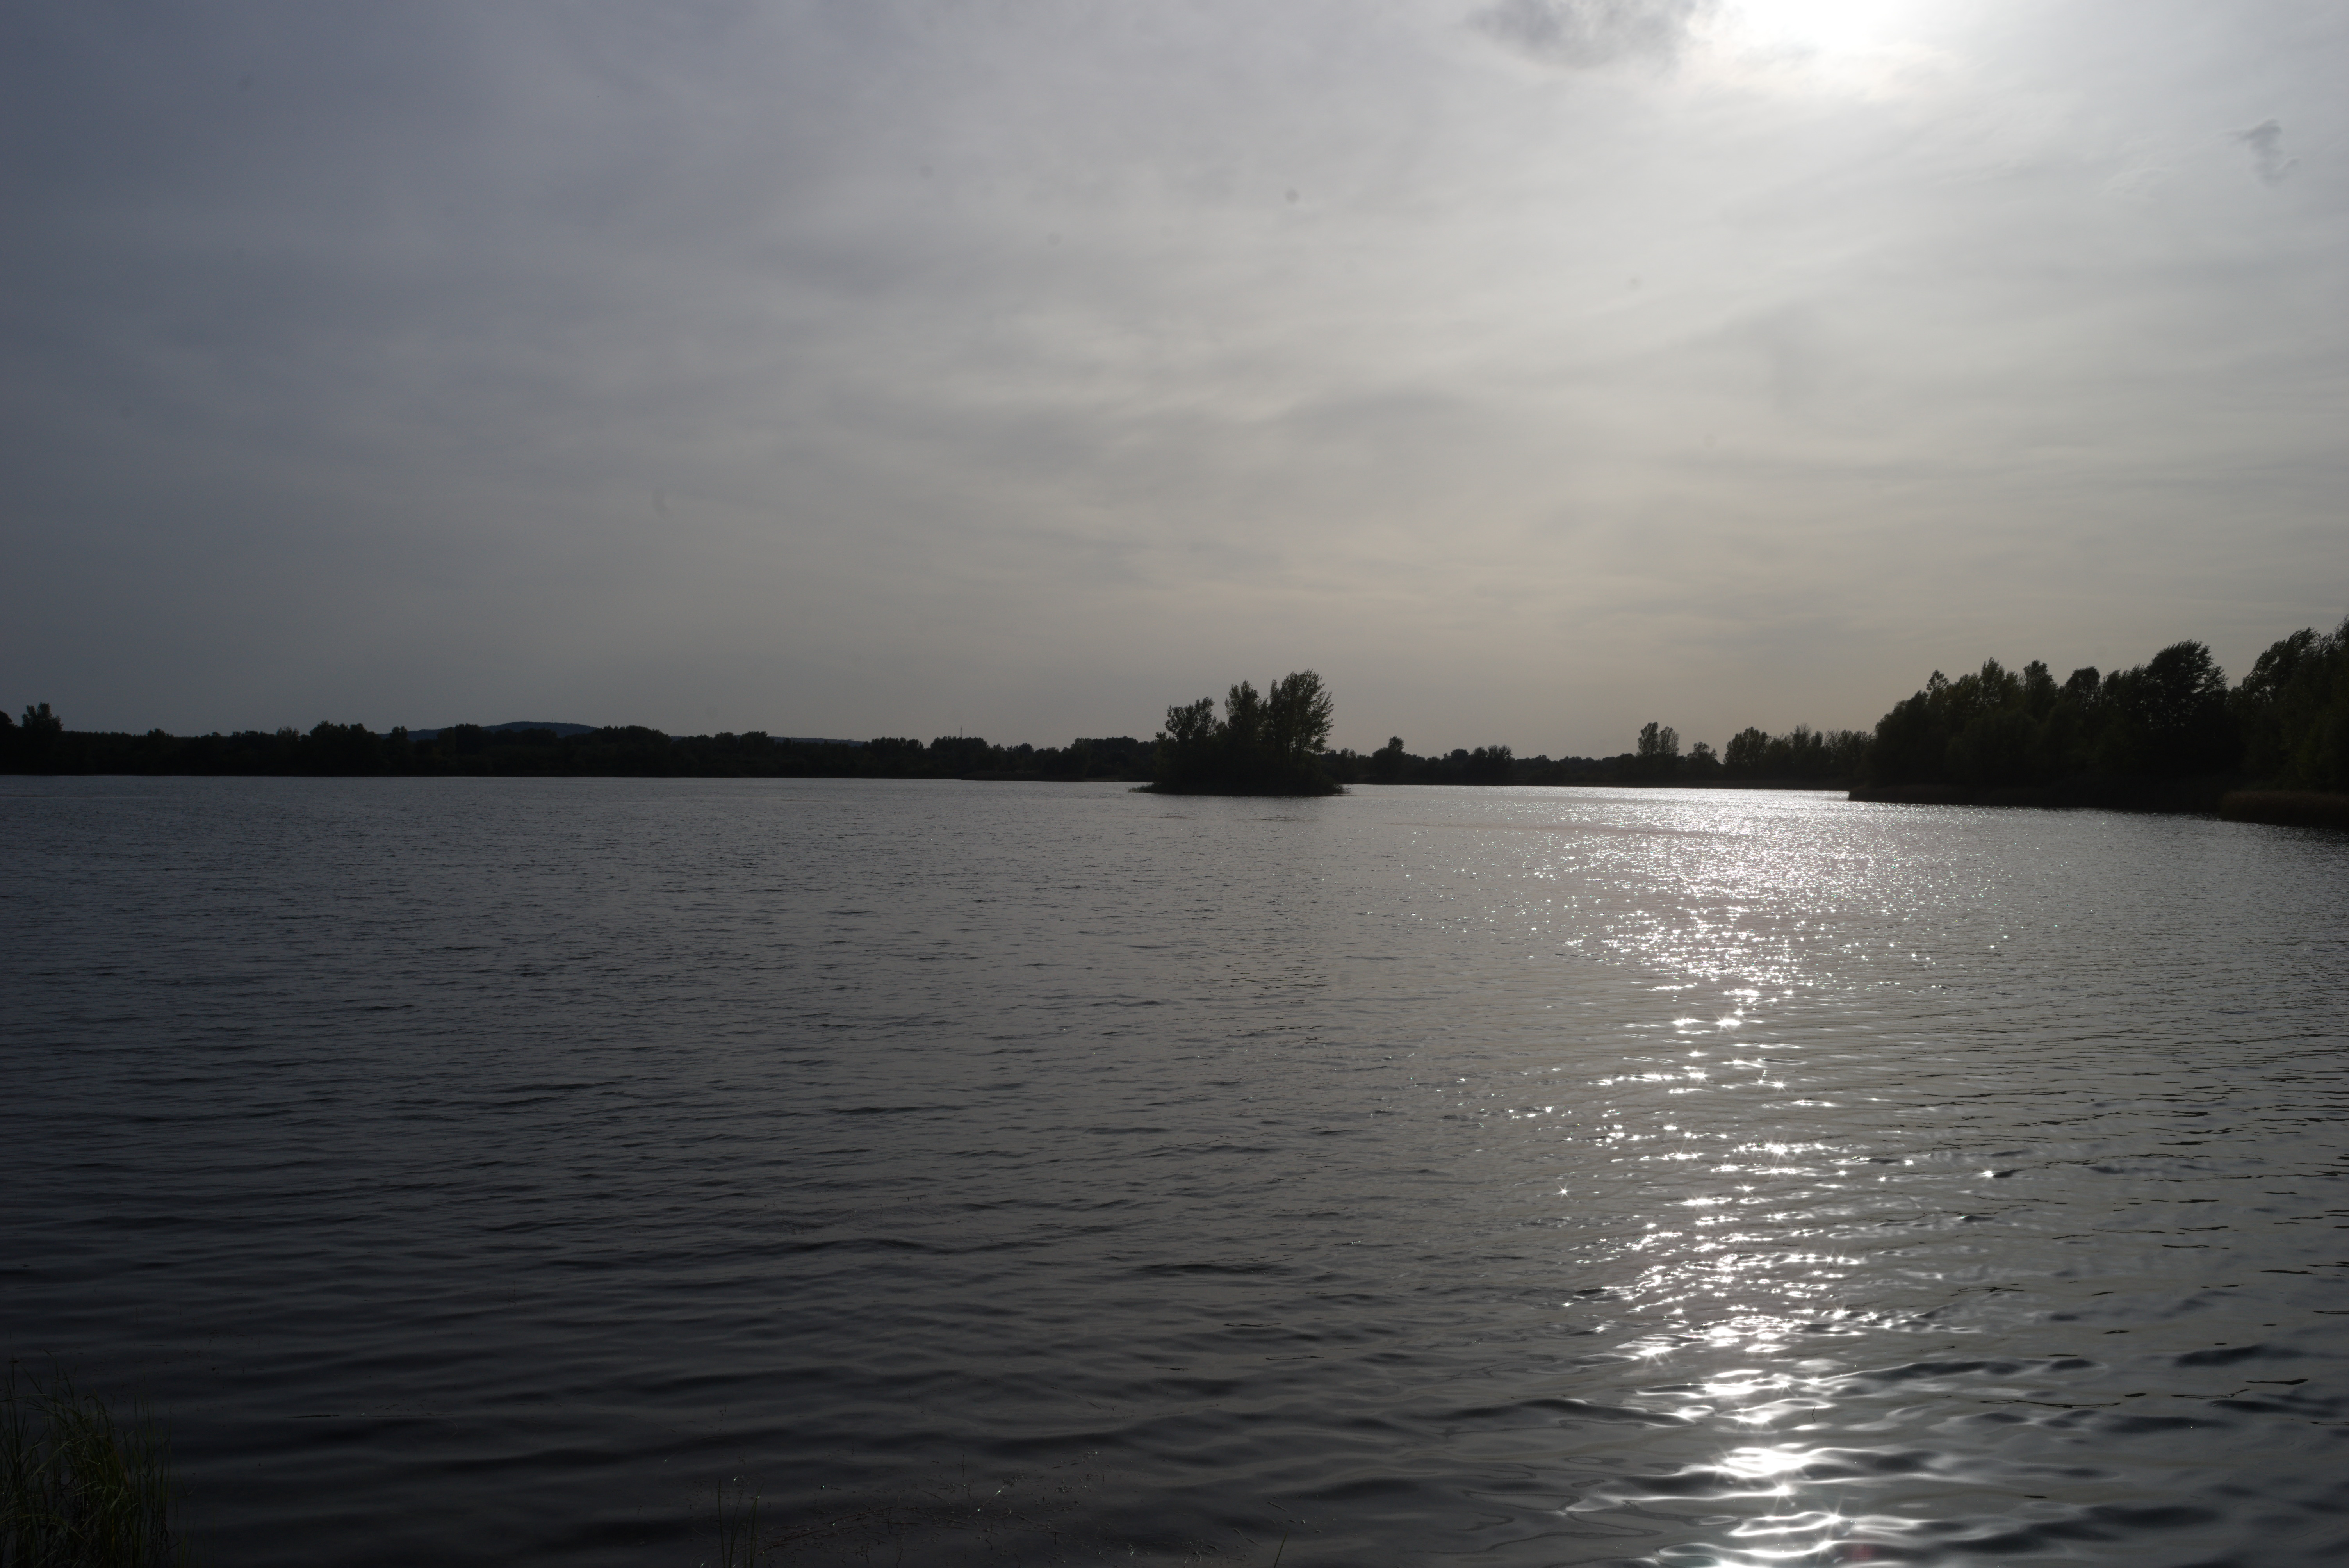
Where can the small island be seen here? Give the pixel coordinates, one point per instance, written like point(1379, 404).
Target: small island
point(1267, 744)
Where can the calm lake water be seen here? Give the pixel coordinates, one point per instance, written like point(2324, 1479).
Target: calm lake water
point(484, 1171)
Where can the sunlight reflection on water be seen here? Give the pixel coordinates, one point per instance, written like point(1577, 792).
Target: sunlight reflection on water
point(1556, 1176)
point(1822, 940)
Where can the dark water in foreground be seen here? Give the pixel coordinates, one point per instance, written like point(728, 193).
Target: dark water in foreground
point(480, 1171)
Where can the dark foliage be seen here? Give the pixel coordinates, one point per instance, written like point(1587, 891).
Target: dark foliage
point(42, 745)
point(2169, 731)
point(1806, 759)
point(2293, 709)
point(1801, 755)
point(1658, 755)
point(1267, 744)
point(2170, 718)
point(1489, 765)
point(79, 1487)
point(2286, 808)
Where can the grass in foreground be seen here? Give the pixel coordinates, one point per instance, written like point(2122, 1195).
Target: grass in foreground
point(78, 1489)
point(738, 1527)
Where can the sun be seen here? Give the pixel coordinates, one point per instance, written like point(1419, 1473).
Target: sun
point(1826, 27)
point(1814, 22)
point(1865, 45)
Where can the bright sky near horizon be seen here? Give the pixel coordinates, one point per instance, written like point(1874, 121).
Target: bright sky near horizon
point(1531, 369)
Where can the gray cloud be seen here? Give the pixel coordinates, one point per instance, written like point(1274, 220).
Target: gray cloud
point(2266, 142)
point(858, 369)
point(1590, 33)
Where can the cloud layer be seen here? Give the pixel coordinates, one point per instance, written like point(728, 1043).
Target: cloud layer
point(1589, 33)
point(1530, 370)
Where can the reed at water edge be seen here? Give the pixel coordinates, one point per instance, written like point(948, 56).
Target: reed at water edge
point(78, 1487)
point(2286, 808)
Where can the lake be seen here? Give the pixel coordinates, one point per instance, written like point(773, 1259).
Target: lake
point(488, 1172)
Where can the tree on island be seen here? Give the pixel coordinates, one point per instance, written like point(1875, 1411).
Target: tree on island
point(1265, 744)
point(1659, 757)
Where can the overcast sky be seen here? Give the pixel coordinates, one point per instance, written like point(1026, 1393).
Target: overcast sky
point(1530, 370)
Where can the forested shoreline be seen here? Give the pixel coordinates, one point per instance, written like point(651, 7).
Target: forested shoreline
point(1801, 758)
point(40, 744)
point(2169, 734)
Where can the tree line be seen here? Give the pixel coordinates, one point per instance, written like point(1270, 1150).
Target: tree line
point(41, 744)
point(2166, 725)
point(2172, 730)
point(1803, 757)
point(1273, 744)
point(1272, 741)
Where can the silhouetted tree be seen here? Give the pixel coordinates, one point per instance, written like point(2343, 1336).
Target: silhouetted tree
point(1489, 765)
point(1659, 751)
point(2293, 711)
point(1266, 744)
point(954, 755)
point(1298, 713)
point(2170, 718)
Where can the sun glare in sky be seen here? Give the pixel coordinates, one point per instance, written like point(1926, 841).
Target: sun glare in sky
point(1829, 27)
point(1847, 43)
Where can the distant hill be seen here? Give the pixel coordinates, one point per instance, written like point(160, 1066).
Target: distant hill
point(559, 729)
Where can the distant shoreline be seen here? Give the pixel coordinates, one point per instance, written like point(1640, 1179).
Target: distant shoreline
point(2170, 735)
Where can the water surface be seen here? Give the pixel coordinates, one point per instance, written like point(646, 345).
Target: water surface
point(480, 1171)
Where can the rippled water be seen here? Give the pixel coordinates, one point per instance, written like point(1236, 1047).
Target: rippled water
point(482, 1172)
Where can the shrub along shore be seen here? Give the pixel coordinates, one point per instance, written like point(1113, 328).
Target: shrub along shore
point(2171, 734)
point(2285, 808)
